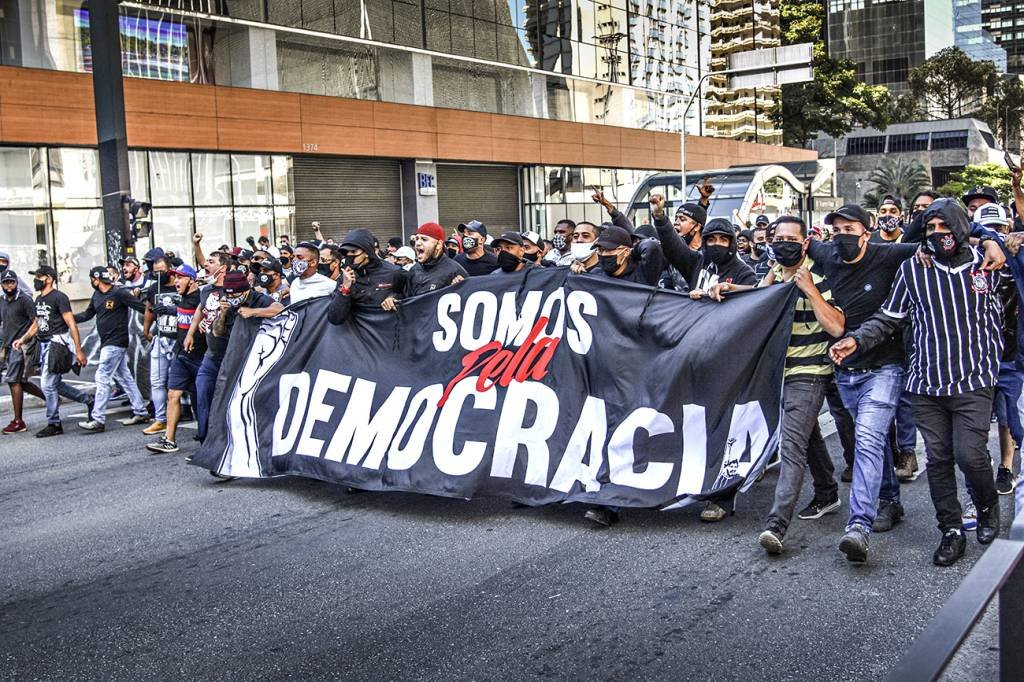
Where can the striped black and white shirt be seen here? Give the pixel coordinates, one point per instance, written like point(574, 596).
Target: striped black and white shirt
point(955, 318)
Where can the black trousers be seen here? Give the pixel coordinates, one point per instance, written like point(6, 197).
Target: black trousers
point(955, 431)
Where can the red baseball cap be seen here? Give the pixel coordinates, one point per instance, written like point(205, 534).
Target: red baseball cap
point(432, 230)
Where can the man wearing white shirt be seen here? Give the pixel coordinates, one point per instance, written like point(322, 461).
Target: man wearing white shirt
point(308, 283)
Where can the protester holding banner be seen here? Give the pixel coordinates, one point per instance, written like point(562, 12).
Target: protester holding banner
point(366, 280)
point(954, 315)
point(715, 262)
point(433, 269)
point(510, 247)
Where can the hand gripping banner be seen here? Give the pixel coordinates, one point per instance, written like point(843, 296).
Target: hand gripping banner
point(541, 387)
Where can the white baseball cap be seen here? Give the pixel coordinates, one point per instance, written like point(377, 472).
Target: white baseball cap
point(532, 237)
point(405, 252)
point(992, 214)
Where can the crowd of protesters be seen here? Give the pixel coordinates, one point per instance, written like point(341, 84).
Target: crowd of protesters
point(906, 322)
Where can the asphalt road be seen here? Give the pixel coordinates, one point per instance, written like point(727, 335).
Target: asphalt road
point(120, 565)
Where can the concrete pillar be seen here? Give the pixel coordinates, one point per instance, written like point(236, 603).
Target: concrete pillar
point(252, 54)
point(418, 208)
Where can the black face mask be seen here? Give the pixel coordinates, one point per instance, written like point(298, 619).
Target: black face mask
point(264, 280)
point(942, 245)
point(787, 254)
point(848, 246)
point(469, 243)
point(325, 269)
point(254, 268)
point(3, 269)
point(39, 284)
point(452, 252)
point(507, 261)
point(349, 262)
point(532, 257)
point(757, 249)
point(717, 254)
point(95, 286)
point(163, 278)
point(285, 261)
point(610, 264)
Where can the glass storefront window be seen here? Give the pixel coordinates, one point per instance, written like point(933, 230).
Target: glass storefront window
point(211, 179)
point(250, 179)
point(284, 222)
point(25, 236)
point(172, 231)
point(22, 177)
point(138, 170)
point(74, 177)
point(255, 222)
point(79, 244)
point(215, 224)
point(169, 175)
point(284, 190)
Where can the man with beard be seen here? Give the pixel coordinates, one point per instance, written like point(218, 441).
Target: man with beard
point(476, 259)
point(890, 222)
point(16, 315)
point(367, 280)
point(510, 254)
point(869, 381)
point(110, 306)
point(5, 263)
point(954, 316)
point(433, 269)
point(308, 283)
point(584, 248)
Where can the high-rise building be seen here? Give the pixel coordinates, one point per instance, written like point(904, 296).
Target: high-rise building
point(885, 39)
point(738, 26)
point(971, 37)
point(249, 117)
point(1004, 21)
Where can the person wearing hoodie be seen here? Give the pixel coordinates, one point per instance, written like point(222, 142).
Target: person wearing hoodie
point(954, 315)
point(433, 269)
point(5, 264)
point(716, 260)
point(367, 280)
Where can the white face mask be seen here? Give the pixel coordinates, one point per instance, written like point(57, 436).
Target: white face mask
point(408, 266)
point(299, 266)
point(581, 252)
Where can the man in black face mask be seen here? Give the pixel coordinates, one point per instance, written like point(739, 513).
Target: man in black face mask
point(954, 315)
point(890, 222)
point(367, 280)
point(270, 281)
point(617, 256)
point(869, 381)
point(475, 258)
point(16, 315)
point(761, 263)
point(510, 254)
point(330, 262)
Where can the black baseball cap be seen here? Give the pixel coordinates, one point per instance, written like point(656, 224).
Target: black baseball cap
point(9, 276)
point(850, 212)
point(473, 226)
point(44, 271)
point(271, 264)
point(979, 193)
point(101, 273)
point(510, 237)
point(761, 220)
point(694, 212)
point(890, 200)
point(645, 231)
point(613, 237)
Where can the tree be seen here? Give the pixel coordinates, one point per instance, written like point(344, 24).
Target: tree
point(953, 83)
point(986, 174)
point(835, 100)
point(1004, 111)
point(898, 176)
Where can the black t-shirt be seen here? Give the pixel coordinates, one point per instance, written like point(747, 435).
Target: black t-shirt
point(16, 315)
point(484, 265)
point(111, 310)
point(860, 289)
point(217, 345)
point(49, 314)
point(188, 305)
point(163, 300)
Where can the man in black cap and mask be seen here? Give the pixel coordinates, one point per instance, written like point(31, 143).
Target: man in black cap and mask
point(869, 381)
point(760, 262)
point(619, 258)
point(510, 248)
point(366, 279)
point(978, 197)
point(475, 258)
point(954, 315)
point(689, 222)
point(270, 280)
point(16, 315)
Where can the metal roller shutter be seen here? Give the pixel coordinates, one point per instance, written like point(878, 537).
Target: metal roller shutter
point(489, 194)
point(344, 194)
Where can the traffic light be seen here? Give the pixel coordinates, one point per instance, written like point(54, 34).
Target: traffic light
point(138, 219)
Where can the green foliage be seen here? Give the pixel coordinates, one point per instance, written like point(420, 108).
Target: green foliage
point(897, 176)
point(1004, 111)
point(835, 100)
point(953, 83)
point(991, 175)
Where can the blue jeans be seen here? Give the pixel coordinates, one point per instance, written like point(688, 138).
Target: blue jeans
point(206, 382)
point(54, 387)
point(906, 429)
point(871, 397)
point(160, 355)
point(1008, 391)
point(114, 367)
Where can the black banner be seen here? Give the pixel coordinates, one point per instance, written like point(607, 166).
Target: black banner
point(540, 388)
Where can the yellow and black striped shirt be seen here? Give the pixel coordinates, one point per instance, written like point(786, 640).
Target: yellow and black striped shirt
point(807, 354)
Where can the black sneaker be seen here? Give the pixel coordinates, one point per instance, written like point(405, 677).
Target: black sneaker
point(951, 548)
point(1005, 480)
point(50, 430)
point(818, 508)
point(988, 524)
point(222, 478)
point(889, 514)
point(855, 545)
point(602, 516)
point(847, 475)
point(771, 540)
point(162, 446)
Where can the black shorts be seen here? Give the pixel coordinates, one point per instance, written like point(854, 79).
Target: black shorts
point(181, 376)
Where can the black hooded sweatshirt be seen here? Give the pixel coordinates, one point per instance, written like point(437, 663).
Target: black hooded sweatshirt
point(375, 282)
point(690, 263)
point(436, 274)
